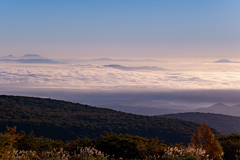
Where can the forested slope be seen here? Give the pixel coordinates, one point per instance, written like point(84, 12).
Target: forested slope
point(68, 121)
point(223, 123)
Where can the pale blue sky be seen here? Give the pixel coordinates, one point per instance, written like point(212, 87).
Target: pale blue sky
point(135, 29)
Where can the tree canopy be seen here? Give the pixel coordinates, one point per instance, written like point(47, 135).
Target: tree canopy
point(204, 139)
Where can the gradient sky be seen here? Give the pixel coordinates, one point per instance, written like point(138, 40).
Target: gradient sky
point(120, 29)
point(184, 37)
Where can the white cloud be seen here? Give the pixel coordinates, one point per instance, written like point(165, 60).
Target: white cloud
point(104, 78)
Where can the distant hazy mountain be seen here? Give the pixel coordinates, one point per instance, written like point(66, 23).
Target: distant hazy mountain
point(221, 108)
point(140, 110)
point(109, 59)
point(223, 123)
point(28, 58)
point(42, 61)
point(36, 61)
point(153, 68)
point(103, 59)
point(224, 61)
point(32, 56)
point(216, 107)
point(7, 57)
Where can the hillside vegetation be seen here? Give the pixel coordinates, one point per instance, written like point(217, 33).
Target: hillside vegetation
point(114, 146)
point(223, 123)
point(69, 121)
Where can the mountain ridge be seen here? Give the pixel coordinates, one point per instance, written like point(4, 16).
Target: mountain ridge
point(224, 61)
point(69, 121)
point(124, 68)
point(223, 123)
point(28, 58)
point(220, 108)
point(31, 56)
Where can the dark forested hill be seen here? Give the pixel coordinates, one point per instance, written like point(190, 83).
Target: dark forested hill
point(223, 123)
point(69, 121)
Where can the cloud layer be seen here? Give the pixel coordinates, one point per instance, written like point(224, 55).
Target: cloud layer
point(108, 78)
point(132, 89)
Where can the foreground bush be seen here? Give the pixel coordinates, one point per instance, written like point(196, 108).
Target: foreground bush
point(53, 155)
point(109, 146)
point(231, 146)
point(128, 146)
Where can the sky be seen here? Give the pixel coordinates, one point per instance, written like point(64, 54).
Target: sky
point(120, 29)
point(168, 54)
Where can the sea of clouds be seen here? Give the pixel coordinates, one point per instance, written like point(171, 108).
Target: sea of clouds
point(125, 86)
point(102, 77)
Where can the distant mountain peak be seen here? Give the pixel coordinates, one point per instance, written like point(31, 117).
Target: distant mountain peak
point(31, 56)
point(103, 59)
point(216, 108)
point(9, 56)
point(150, 68)
point(219, 105)
point(223, 61)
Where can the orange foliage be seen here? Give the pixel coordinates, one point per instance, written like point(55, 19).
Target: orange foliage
point(204, 139)
point(8, 139)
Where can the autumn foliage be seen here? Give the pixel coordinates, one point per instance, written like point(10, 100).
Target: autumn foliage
point(114, 146)
point(204, 139)
point(7, 140)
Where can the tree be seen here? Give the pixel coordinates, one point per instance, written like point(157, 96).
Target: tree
point(117, 145)
point(204, 139)
point(7, 141)
point(231, 146)
point(27, 142)
point(129, 146)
